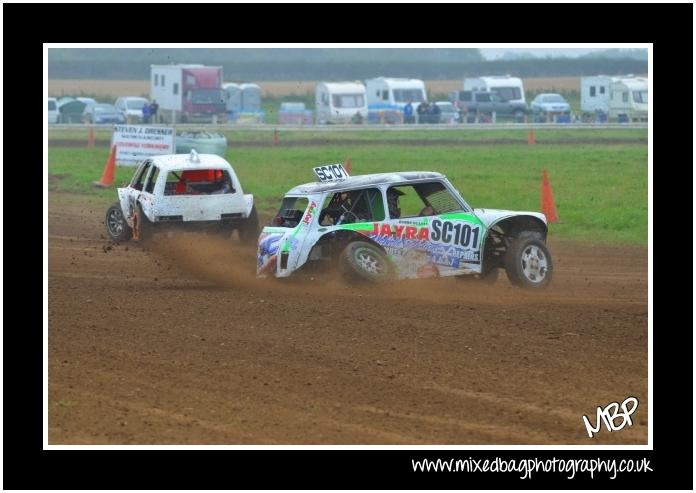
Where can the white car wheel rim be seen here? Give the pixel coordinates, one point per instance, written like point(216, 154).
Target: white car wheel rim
point(534, 264)
point(369, 262)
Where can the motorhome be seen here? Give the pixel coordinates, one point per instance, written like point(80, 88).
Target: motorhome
point(188, 93)
point(340, 102)
point(387, 95)
point(510, 89)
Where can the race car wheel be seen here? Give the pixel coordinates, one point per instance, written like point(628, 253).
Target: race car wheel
point(364, 261)
point(116, 225)
point(528, 262)
point(249, 230)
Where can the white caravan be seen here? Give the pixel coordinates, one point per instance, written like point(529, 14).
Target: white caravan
point(594, 93)
point(339, 102)
point(508, 88)
point(384, 92)
point(623, 97)
point(629, 100)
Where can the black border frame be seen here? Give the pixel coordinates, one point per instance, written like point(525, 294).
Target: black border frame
point(27, 466)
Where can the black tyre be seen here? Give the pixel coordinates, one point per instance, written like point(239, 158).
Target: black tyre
point(528, 262)
point(361, 260)
point(116, 226)
point(249, 230)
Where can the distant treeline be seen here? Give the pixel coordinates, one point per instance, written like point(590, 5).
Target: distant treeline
point(325, 64)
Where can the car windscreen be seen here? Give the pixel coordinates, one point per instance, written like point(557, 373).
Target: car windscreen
point(104, 108)
point(207, 96)
point(552, 98)
point(135, 104)
point(52, 106)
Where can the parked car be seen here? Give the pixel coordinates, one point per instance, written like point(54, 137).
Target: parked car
point(102, 113)
point(131, 108)
point(550, 103)
point(202, 141)
point(295, 113)
point(471, 103)
point(448, 112)
point(87, 101)
point(70, 110)
point(185, 191)
point(358, 226)
point(53, 110)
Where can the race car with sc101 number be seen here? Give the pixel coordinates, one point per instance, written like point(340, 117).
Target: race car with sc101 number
point(404, 225)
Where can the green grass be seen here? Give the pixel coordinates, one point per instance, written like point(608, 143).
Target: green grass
point(600, 190)
point(458, 133)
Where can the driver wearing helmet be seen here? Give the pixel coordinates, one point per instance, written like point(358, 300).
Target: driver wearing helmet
point(393, 195)
point(336, 208)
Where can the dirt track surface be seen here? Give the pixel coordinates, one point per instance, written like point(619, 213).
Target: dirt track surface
point(182, 345)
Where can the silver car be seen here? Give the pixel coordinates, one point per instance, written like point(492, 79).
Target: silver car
point(550, 103)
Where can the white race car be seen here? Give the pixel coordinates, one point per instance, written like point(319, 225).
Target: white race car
point(397, 226)
point(183, 190)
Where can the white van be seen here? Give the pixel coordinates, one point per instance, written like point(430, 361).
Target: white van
point(53, 110)
point(510, 89)
point(339, 102)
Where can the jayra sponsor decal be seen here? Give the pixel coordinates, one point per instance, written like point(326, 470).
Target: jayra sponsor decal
point(401, 231)
point(398, 240)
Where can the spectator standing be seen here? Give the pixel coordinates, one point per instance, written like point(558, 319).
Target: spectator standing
point(154, 107)
point(146, 112)
point(434, 113)
point(408, 113)
point(422, 111)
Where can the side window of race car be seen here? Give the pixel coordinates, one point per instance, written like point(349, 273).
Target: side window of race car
point(292, 211)
point(352, 206)
point(426, 199)
point(139, 179)
point(150, 187)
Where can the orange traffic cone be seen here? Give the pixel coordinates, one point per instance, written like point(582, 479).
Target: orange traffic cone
point(548, 206)
point(531, 137)
point(107, 178)
point(90, 137)
point(348, 165)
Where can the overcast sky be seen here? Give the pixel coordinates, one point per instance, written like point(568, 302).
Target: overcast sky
point(493, 53)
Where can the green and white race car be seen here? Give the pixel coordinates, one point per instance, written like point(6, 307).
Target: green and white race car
point(404, 225)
